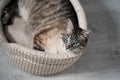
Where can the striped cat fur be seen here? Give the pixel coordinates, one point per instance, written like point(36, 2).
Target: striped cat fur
point(47, 25)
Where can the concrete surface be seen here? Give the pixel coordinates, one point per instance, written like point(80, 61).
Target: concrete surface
point(101, 60)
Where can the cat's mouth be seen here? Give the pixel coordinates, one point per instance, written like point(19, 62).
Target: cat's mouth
point(68, 46)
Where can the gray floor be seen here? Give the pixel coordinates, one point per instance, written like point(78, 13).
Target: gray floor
point(101, 60)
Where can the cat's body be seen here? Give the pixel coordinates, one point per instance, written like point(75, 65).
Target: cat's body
point(41, 23)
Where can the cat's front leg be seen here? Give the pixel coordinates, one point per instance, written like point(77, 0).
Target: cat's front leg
point(3, 4)
point(5, 17)
point(8, 12)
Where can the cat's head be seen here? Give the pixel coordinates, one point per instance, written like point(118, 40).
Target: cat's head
point(74, 38)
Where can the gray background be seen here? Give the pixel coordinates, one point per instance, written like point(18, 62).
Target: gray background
point(101, 60)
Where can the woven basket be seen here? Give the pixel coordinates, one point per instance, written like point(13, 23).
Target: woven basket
point(41, 63)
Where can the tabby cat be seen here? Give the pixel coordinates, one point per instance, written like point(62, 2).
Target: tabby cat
point(46, 25)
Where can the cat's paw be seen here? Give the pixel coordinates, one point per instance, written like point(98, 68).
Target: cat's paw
point(7, 14)
point(5, 18)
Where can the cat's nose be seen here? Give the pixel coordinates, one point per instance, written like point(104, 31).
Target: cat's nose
point(67, 46)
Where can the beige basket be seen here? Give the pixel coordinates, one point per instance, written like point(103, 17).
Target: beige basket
point(40, 63)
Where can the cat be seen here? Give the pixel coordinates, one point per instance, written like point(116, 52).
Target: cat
point(47, 25)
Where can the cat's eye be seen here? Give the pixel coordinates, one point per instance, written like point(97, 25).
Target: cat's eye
point(65, 41)
point(65, 38)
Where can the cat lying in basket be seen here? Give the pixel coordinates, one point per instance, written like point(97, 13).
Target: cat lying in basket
point(45, 25)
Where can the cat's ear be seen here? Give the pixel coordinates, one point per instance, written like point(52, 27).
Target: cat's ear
point(69, 26)
point(86, 33)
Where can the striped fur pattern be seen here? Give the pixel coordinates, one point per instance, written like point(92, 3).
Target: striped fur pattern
point(44, 13)
point(51, 21)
